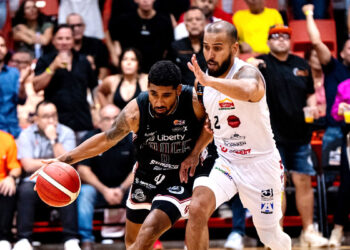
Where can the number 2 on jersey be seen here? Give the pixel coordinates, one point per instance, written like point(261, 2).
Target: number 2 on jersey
point(216, 124)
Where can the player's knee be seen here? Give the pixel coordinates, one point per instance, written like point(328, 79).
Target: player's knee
point(275, 238)
point(199, 208)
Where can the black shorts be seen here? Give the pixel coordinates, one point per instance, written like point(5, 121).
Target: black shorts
point(173, 200)
point(161, 190)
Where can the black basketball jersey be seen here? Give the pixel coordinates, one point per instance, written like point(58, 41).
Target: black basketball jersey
point(163, 143)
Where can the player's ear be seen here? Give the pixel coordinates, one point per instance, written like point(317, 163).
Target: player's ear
point(178, 89)
point(235, 48)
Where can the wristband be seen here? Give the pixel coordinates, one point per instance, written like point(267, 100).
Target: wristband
point(49, 71)
point(309, 13)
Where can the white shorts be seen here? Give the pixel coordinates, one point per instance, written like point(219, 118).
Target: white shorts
point(258, 182)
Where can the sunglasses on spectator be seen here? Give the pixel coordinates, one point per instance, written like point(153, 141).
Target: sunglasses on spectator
point(78, 25)
point(278, 35)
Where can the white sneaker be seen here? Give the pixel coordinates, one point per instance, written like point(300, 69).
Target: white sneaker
point(23, 244)
point(72, 244)
point(234, 241)
point(312, 238)
point(336, 237)
point(5, 245)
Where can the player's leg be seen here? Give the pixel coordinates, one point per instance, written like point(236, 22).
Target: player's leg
point(260, 186)
point(131, 231)
point(156, 223)
point(209, 193)
point(201, 208)
point(274, 237)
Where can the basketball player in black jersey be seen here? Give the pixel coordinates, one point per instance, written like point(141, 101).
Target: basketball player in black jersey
point(167, 121)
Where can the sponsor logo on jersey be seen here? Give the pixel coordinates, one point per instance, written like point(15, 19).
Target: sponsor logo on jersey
point(242, 151)
point(267, 201)
point(223, 149)
point(177, 137)
point(176, 190)
point(229, 143)
point(179, 122)
point(164, 165)
point(226, 172)
point(180, 129)
point(234, 151)
point(226, 104)
point(233, 121)
point(138, 195)
point(145, 184)
point(237, 137)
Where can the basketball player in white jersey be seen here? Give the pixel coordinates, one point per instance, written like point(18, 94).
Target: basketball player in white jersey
point(249, 163)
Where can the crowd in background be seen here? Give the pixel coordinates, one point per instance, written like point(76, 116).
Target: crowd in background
point(65, 76)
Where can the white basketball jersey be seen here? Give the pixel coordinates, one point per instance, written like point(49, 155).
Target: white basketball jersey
point(242, 129)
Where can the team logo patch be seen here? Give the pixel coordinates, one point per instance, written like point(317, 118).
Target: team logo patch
point(179, 122)
point(267, 201)
point(176, 190)
point(233, 121)
point(138, 195)
point(226, 104)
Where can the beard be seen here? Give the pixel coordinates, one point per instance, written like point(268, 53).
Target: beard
point(222, 69)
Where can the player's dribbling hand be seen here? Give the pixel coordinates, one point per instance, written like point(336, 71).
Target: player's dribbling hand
point(198, 73)
point(191, 163)
point(36, 173)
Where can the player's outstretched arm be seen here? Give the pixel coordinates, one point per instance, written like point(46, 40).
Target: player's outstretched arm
point(127, 121)
point(247, 84)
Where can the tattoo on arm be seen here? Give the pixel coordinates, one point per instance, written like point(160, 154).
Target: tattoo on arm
point(119, 128)
point(68, 159)
point(247, 72)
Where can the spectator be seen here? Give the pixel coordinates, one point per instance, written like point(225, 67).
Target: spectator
point(253, 25)
point(182, 50)
point(334, 73)
point(318, 78)
point(122, 88)
point(320, 10)
point(65, 76)
point(12, 92)
point(107, 177)
point(289, 88)
point(95, 50)
point(149, 31)
point(88, 10)
point(31, 30)
point(342, 102)
point(22, 60)
point(45, 139)
point(212, 14)
point(10, 170)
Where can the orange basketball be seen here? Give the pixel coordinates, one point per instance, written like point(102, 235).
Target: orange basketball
point(58, 184)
